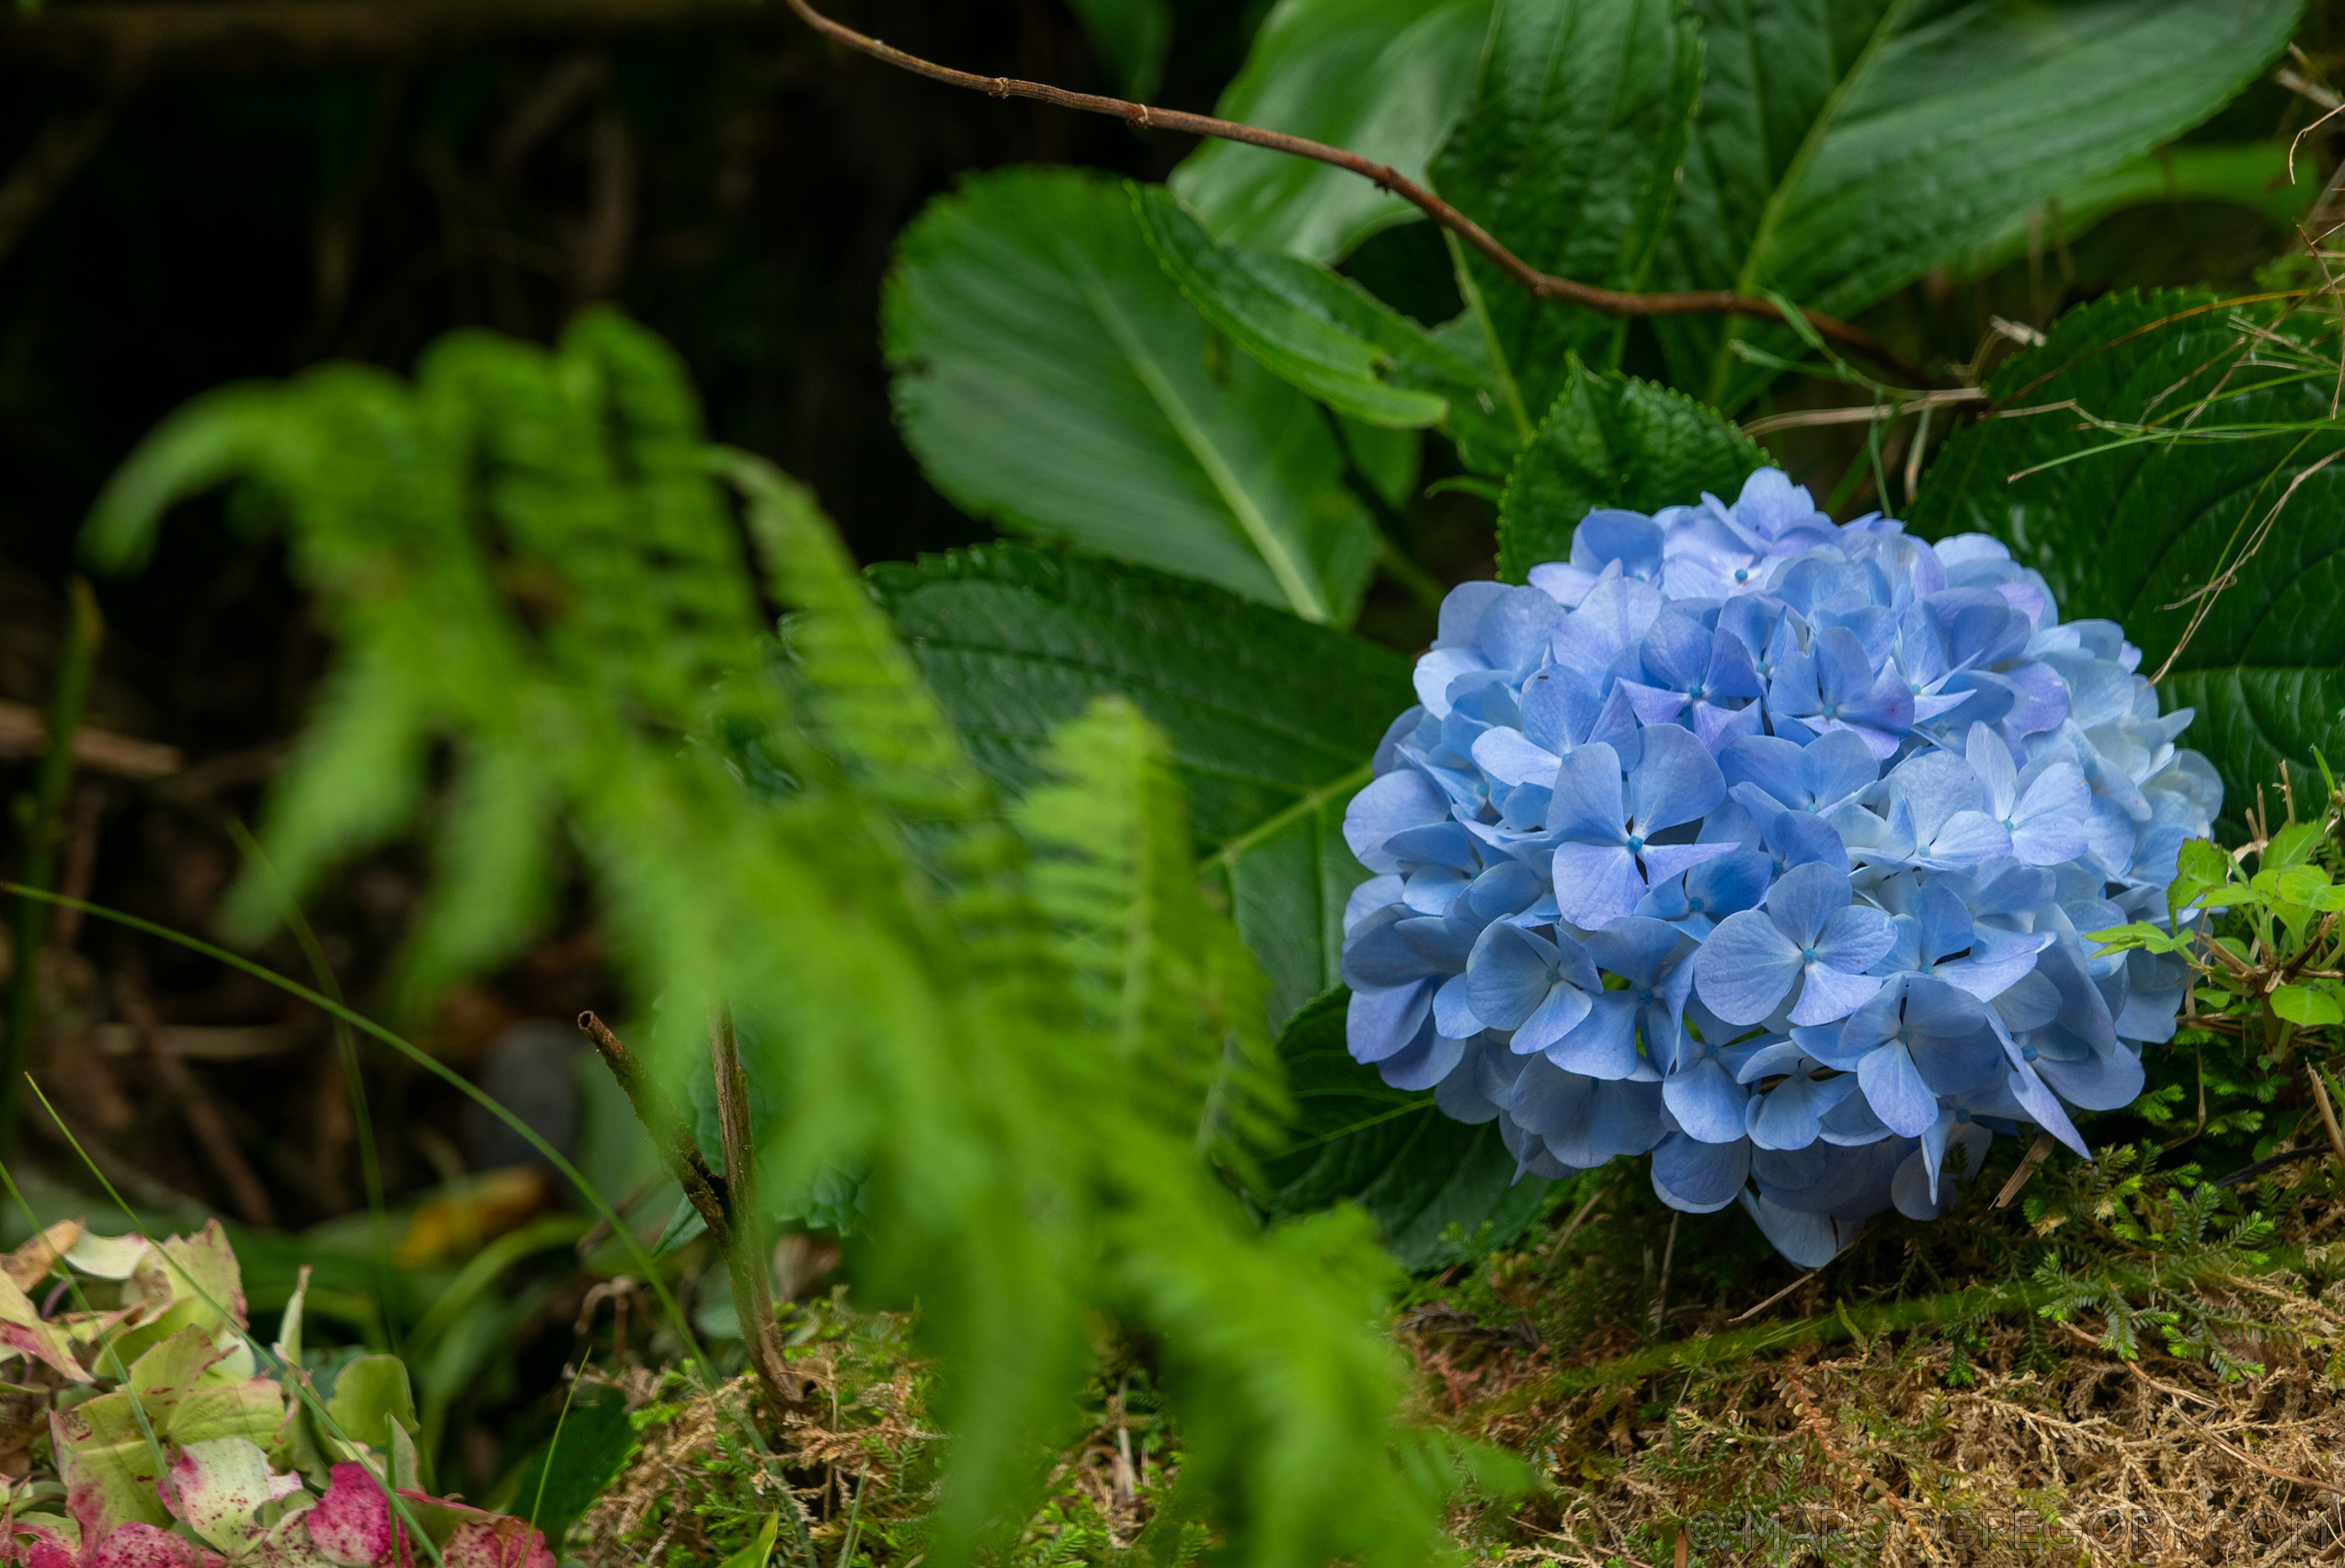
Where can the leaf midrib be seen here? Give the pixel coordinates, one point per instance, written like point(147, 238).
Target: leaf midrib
point(1301, 593)
point(1746, 282)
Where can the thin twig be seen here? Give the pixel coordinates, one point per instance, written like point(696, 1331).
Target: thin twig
point(1539, 285)
point(1866, 414)
point(1573, 1224)
point(2327, 1111)
point(746, 1257)
point(703, 1187)
point(1750, 1312)
point(2030, 1163)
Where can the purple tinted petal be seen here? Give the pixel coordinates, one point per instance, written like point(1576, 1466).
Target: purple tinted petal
point(1893, 1088)
point(1783, 1118)
point(1510, 971)
point(1509, 756)
point(1829, 994)
point(1744, 968)
point(1558, 1014)
point(2039, 1102)
point(1728, 884)
point(1425, 1063)
point(1596, 884)
point(1996, 963)
point(1853, 937)
point(1675, 781)
point(1835, 768)
point(1559, 708)
point(1706, 1101)
point(1966, 839)
point(1999, 776)
point(1379, 1023)
point(1515, 628)
point(1675, 652)
point(1664, 860)
point(1453, 1011)
point(1698, 1176)
point(1587, 803)
point(1843, 675)
point(1397, 801)
point(1633, 949)
point(1769, 764)
point(1653, 704)
point(1375, 958)
point(1603, 1044)
point(1806, 1241)
point(1933, 1007)
point(1804, 899)
point(1799, 839)
point(2106, 1081)
point(1436, 669)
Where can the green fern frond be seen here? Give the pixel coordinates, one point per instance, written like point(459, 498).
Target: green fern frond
point(531, 575)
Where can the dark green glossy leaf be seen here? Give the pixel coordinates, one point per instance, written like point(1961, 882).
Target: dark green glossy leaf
point(1392, 1151)
point(1051, 378)
point(1570, 156)
point(1613, 441)
point(1309, 327)
point(2130, 528)
point(1271, 721)
point(1383, 78)
point(1131, 36)
point(1326, 335)
point(1845, 146)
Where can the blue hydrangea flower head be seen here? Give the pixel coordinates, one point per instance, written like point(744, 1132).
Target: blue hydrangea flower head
point(1769, 846)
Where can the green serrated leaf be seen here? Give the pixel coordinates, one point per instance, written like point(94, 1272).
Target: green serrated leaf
point(1844, 150)
point(2141, 934)
point(1383, 78)
point(2291, 846)
point(1307, 327)
point(2147, 444)
point(1570, 156)
point(1050, 377)
point(2308, 1005)
point(1389, 1150)
point(1613, 441)
point(1271, 722)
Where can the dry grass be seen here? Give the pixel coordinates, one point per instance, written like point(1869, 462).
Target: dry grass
point(2023, 1448)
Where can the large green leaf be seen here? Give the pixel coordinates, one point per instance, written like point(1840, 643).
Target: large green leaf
point(1131, 36)
point(1326, 335)
point(1382, 78)
point(1613, 441)
point(1571, 156)
point(2130, 528)
point(2253, 175)
point(1050, 377)
point(1845, 146)
point(1271, 721)
point(1392, 1151)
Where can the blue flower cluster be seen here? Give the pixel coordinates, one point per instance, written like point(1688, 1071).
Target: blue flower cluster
point(1769, 846)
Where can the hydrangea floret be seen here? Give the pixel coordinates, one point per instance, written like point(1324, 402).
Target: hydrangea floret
point(1770, 847)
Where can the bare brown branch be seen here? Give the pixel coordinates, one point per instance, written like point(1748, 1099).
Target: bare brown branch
point(1539, 285)
point(669, 1130)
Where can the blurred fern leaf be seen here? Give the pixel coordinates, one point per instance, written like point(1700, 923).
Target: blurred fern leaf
point(547, 626)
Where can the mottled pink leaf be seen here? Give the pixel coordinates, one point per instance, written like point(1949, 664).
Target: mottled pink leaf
point(491, 1541)
point(218, 1488)
point(143, 1546)
point(352, 1524)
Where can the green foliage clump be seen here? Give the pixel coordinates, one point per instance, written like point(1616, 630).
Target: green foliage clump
point(538, 589)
